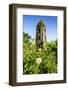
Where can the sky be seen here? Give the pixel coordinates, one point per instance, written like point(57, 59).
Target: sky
point(30, 22)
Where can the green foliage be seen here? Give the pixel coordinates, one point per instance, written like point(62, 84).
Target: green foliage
point(48, 57)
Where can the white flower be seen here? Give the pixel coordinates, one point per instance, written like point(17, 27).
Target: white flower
point(39, 49)
point(38, 60)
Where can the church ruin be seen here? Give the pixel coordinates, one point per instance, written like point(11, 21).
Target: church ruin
point(40, 35)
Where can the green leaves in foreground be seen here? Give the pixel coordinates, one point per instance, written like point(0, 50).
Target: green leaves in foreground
point(48, 57)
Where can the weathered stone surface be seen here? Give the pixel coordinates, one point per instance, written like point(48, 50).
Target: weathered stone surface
point(40, 34)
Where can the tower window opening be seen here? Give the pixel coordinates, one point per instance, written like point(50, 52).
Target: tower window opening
point(39, 37)
point(38, 30)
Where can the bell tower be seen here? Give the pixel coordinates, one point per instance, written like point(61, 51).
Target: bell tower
point(40, 34)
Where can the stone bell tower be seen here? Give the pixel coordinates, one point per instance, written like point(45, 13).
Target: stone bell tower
point(40, 34)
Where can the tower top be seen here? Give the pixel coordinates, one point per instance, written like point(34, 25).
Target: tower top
point(41, 24)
